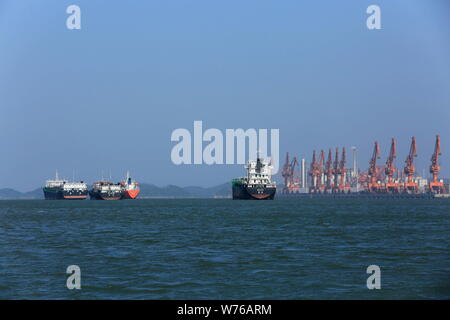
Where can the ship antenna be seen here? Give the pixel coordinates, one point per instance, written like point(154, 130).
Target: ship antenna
point(56, 175)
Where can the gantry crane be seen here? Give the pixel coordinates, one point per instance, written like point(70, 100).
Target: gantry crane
point(313, 173)
point(285, 173)
point(410, 185)
point(391, 186)
point(373, 185)
point(343, 185)
point(329, 173)
point(336, 172)
point(316, 173)
point(291, 181)
point(435, 185)
point(321, 186)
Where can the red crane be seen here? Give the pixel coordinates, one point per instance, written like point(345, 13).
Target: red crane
point(291, 180)
point(343, 185)
point(329, 172)
point(286, 173)
point(436, 186)
point(373, 185)
point(313, 173)
point(409, 170)
point(336, 171)
point(316, 173)
point(320, 185)
point(391, 186)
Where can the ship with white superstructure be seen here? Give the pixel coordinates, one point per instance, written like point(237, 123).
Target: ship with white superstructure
point(61, 189)
point(258, 184)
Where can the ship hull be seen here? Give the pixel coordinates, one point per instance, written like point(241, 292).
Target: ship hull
point(59, 194)
point(130, 194)
point(243, 192)
point(74, 194)
point(96, 195)
point(53, 194)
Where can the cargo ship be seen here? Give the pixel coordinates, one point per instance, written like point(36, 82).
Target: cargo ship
point(60, 189)
point(257, 185)
point(130, 188)
point(105, 190)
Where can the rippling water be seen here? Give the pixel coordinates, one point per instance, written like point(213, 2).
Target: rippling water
point(224, 249)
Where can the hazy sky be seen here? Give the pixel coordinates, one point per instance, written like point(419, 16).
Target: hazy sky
point(108, 96)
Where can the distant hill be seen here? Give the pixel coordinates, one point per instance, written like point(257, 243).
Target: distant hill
point(147, 191)
point(11, 194)
point(171, 191)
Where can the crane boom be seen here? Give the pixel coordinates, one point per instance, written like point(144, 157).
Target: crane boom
point(390, 169)
point(336, 171)
point(343, 172)
point(373, 184)
point(436, 186)
point(410, 186)
point(329, 171)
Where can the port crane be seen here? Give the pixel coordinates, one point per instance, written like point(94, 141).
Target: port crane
point(336, 172)
point(373, 185)
point(391, 186)
point(321, 186)
point(312, 173)
point(285, 173)
point(409, 170)
point(316, 173)
point(343, 185)
point(291, 181)
point(435, 185)
point(329, 173)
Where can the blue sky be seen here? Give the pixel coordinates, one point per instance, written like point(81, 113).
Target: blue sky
point(107, 97)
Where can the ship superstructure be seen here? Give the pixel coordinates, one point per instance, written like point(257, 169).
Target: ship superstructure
point(75, 190)
point(257, 185)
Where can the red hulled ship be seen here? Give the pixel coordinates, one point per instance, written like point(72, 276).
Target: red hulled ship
point(130, 188)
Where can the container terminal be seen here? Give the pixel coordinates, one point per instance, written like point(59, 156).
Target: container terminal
point(328, 176)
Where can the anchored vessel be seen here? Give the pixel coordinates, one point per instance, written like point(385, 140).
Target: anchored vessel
point(130, 188)
point(257, 185)
point(60, 189)
point(105, 190)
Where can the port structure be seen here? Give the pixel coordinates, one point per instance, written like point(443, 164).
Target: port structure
point(291, 180)
point(373, 184)
point(435, 185)
point(332, 176)
point(391, 186)
point(342, 171)
point(316, 173)
point(410, 186)
point(336, 171)
point(329, 173)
